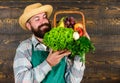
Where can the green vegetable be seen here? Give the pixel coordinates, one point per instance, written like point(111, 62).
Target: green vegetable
point(80, 47)
point(58, 38)
point(61, 38)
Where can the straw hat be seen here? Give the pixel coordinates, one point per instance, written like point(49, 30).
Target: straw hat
point(32, 10)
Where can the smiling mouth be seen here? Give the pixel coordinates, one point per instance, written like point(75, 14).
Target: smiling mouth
point(44, 26)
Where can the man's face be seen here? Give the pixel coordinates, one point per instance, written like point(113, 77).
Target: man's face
point(40, 25)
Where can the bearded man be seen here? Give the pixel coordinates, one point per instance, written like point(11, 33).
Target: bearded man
point(36, 63)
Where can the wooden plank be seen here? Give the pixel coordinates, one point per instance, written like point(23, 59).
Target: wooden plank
point(8, 12)
point(12, 41)
point(100, 81)
point(10, 80)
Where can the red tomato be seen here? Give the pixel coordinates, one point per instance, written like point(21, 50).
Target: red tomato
point(81, 33)
point(79, 28)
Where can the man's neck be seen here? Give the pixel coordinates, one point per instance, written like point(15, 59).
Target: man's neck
point(39, 39)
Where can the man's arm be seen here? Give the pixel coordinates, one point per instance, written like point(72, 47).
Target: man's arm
point(23, 71)
point(75, 70)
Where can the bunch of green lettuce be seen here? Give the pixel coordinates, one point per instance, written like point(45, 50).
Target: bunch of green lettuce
point(58, 38)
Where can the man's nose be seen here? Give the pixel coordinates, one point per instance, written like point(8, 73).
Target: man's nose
point(45, 21)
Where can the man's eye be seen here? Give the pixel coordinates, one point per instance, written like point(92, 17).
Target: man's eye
point(36, 19)
point(45, 16)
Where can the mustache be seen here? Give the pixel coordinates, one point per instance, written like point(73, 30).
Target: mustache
point(45, 24)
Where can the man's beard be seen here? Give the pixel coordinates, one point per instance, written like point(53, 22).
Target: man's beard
point(39, 32)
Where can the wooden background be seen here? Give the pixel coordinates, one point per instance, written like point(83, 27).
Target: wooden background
point(102, 23)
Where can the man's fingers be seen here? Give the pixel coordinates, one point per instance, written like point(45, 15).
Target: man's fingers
point(64, 54)
point(51, 51)
point(59, 52)
point(62, 51)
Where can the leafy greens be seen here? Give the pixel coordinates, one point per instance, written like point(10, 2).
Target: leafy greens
point(58, 38)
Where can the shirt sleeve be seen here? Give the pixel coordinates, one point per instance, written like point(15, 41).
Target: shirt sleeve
point(23, 71)
point(75, 70)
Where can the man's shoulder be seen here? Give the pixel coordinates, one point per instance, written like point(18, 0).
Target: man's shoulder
point(25, 44)
point(27, 41)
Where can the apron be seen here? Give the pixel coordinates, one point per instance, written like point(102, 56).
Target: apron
point(56, 75)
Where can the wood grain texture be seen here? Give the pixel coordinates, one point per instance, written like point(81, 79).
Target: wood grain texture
point(102, 24)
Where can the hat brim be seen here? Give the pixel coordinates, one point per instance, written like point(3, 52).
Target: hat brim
point(24, 17)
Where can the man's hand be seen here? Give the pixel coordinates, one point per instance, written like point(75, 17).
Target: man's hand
point(55, 57)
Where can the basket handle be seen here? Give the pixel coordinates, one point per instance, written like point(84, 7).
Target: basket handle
point(69, 12)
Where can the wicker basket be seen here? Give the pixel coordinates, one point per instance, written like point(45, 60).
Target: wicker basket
point(70, 12)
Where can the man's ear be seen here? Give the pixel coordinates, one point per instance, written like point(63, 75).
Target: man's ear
point(28, 26)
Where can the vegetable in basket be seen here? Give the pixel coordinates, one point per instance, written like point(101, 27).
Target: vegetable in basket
point(68, 37)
